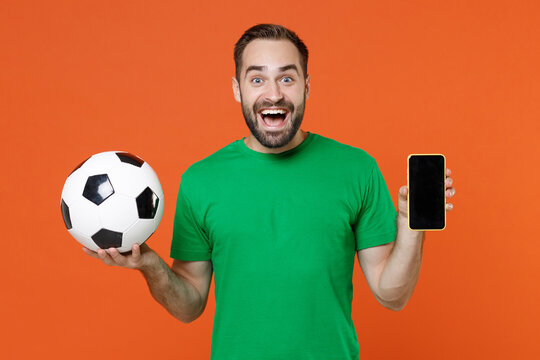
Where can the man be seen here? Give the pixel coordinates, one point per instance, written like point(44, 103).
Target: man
point(278, 217)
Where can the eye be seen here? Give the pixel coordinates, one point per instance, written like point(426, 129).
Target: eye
point(287, 79)
point(256, 80)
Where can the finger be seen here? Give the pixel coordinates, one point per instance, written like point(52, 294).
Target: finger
point(105, 257)
point(136, 251)
point(449, 207)
point(90, 253)
point(117, 257)
point(450, 192)
point(448, 172)
point(449, 181)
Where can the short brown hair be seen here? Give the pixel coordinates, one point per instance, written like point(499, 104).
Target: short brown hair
point(269, 32)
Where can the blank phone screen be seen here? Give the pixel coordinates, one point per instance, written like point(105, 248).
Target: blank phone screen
point(426, 192)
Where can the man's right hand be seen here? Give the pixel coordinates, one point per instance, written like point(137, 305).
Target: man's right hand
point(180, 297)
point(141, 257)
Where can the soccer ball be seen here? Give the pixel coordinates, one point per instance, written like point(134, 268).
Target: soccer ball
point(113, 199)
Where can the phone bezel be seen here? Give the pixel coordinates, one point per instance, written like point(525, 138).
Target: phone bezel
point(444, 181)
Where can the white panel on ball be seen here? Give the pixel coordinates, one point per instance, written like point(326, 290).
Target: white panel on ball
point(85, 217)
point(74, 186)
point(138, 233)
point(129, 179)
point(101, 163)
point(153, 181)
point(113, 219)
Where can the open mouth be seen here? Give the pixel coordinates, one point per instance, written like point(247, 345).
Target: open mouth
point(273, 118)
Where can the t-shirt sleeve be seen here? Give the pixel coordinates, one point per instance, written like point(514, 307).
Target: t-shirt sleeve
point(190, 241)
point(376, 224)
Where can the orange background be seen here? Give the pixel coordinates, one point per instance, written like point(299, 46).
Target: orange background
point(460, 78)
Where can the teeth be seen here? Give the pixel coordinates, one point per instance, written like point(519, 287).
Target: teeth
point(276, 111)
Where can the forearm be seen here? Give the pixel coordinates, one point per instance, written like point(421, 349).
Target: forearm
point(179, 297)
point(400, 274)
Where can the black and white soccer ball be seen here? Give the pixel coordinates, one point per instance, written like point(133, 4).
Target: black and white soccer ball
point(113, 199)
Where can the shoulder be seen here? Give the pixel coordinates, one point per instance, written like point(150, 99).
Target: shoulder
point(212, 162)
point(203, 175)
point(349, 153)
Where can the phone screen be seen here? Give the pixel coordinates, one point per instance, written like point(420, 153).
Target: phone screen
point(426, 192)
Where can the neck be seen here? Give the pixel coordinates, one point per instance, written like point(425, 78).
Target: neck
point(252, 143)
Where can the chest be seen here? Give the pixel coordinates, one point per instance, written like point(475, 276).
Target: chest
point(302, 215)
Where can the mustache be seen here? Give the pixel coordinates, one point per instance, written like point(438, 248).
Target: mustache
point(282, 104)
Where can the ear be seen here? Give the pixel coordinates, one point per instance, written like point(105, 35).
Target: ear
point(236, 90)
point(307, 86)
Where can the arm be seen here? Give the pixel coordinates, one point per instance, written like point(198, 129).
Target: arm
point(392, 270)
point(182, 290)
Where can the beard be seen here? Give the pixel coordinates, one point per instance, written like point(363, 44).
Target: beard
point(274, 139)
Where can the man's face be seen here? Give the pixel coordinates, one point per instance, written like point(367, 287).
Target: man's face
point(272, 90)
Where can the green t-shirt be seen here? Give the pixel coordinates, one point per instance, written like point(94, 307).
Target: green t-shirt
point(282, 232)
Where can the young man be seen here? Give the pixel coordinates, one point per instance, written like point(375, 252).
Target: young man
point(279, 216)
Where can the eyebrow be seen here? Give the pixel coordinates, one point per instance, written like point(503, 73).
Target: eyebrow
point(261, 68)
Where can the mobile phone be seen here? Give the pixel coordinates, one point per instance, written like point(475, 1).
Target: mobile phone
point(426, 176)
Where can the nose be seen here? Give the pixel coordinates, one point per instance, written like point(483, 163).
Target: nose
point(273, 92)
